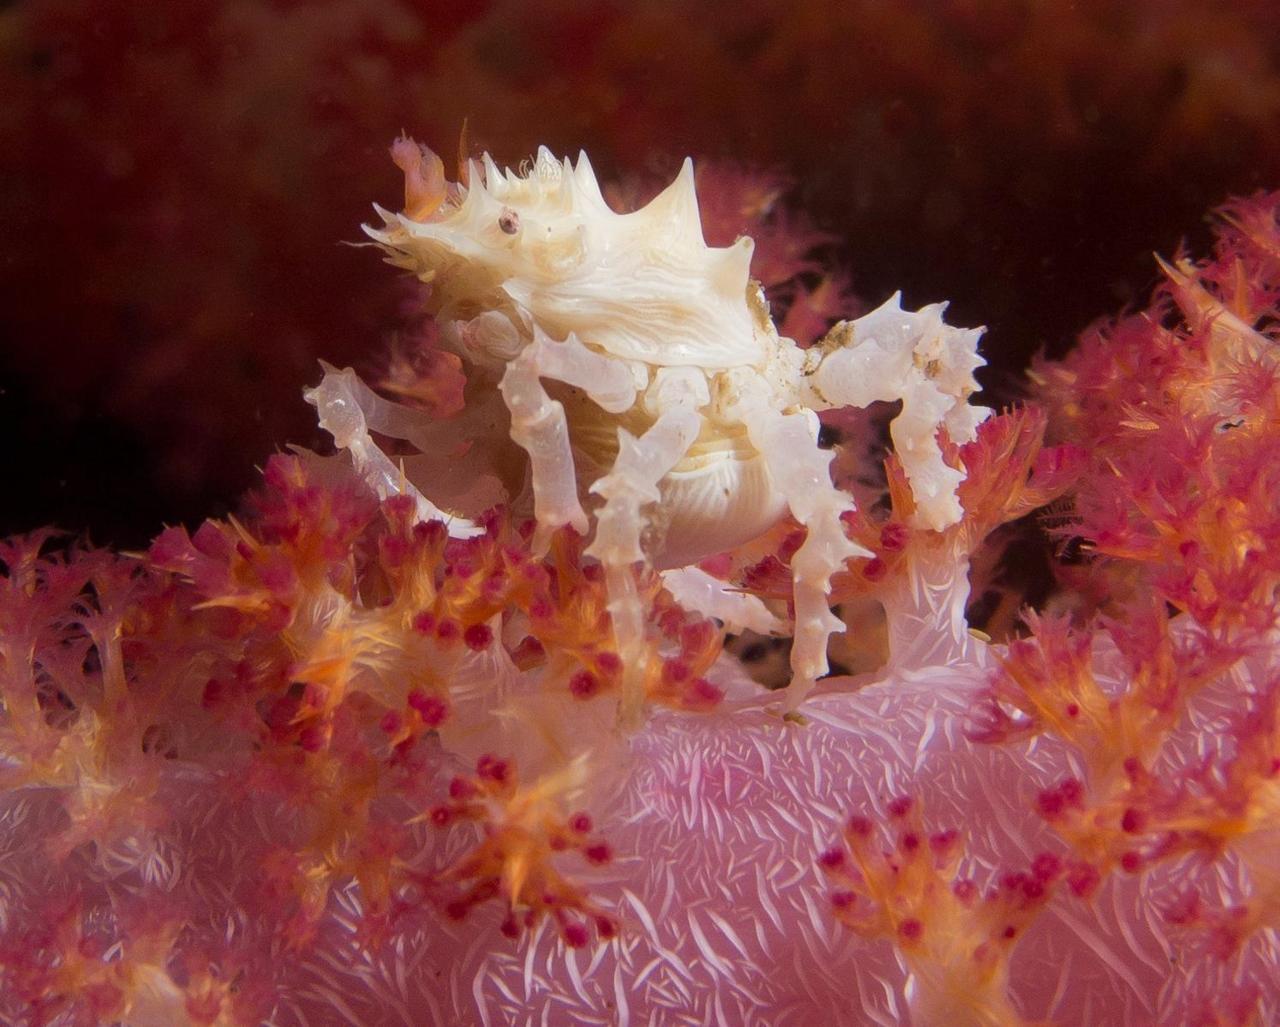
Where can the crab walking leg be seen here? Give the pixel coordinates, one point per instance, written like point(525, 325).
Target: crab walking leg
point(632, 483)
point(338, 400)
point(801, 472)
point(915, 356)
point(539, 427)
point(538, 423)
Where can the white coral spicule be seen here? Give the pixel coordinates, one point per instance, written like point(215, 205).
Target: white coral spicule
point(725, 917)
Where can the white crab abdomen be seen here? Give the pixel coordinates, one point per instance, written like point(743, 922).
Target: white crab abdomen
point(713, 502)
point(718, 496)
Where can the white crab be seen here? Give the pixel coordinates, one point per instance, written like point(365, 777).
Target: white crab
point(640, 366)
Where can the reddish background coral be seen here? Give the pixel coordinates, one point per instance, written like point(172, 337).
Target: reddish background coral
point(175, 180)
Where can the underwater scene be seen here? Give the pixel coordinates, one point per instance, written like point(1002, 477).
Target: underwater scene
point(640, 513)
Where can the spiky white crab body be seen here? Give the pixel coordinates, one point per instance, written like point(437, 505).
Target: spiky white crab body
point(545, 249)
point(640, 365)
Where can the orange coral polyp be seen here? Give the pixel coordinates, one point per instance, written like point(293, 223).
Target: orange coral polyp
point(524, 832)
point(955, 942)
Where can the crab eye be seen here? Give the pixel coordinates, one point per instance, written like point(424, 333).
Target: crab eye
point(509, 221)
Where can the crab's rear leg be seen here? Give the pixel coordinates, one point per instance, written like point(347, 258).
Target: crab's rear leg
point(539, 426)
point(632, 484)
point(801, 472)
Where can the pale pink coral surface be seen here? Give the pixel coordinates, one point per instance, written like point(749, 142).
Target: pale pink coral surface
point(724, 915)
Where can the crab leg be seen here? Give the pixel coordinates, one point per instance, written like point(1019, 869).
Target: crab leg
point(891, 354)
point(344, 406)
point(632, 483)
point(538, 423)
point(801, 472)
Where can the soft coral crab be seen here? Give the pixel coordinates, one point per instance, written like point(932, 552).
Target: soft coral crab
point(640, 366)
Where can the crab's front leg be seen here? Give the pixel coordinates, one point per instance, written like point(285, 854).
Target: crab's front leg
point(801, 472)
point(349, 411)
point(674, 398)
point(539, 426)
point(913, 356)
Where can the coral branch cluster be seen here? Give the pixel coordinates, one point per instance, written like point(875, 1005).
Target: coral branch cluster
point(346, 757)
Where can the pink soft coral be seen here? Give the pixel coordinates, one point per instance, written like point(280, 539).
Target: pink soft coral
point(325, 764)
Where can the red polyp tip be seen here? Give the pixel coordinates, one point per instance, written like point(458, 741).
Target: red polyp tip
point(910, 842)
point(1046, 866)
point(893, 536)
point(583, 685)
point(580, 822)
point(575, 935)
point(1009, 932)
point(703, 693)
point(1082, 879)
point(1050, 803)
point(843, 899)
point(425, 622)
point(457, 909)
point(441, 815)
point(791, 544)
point(390, 722)
point(874, 569)
point(478, 637)
point(1132, 768)
point(1131, 862)
point(859, 826)
point(965, 890)
point(1073, 710)
point(911, 929)
point(461, 788)
point(1133, 821)
point(606, 927)
point(492, 769)
point(459, 568)
point(942, 841)
point(598, 853)
point(831, 859)
point(509, 927)
point(674, 670)
point(900, 806)
point(431, 708)
point(448, 630)
point(608, 662)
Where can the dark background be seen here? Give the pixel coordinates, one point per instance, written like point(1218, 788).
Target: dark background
point(176, 180)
